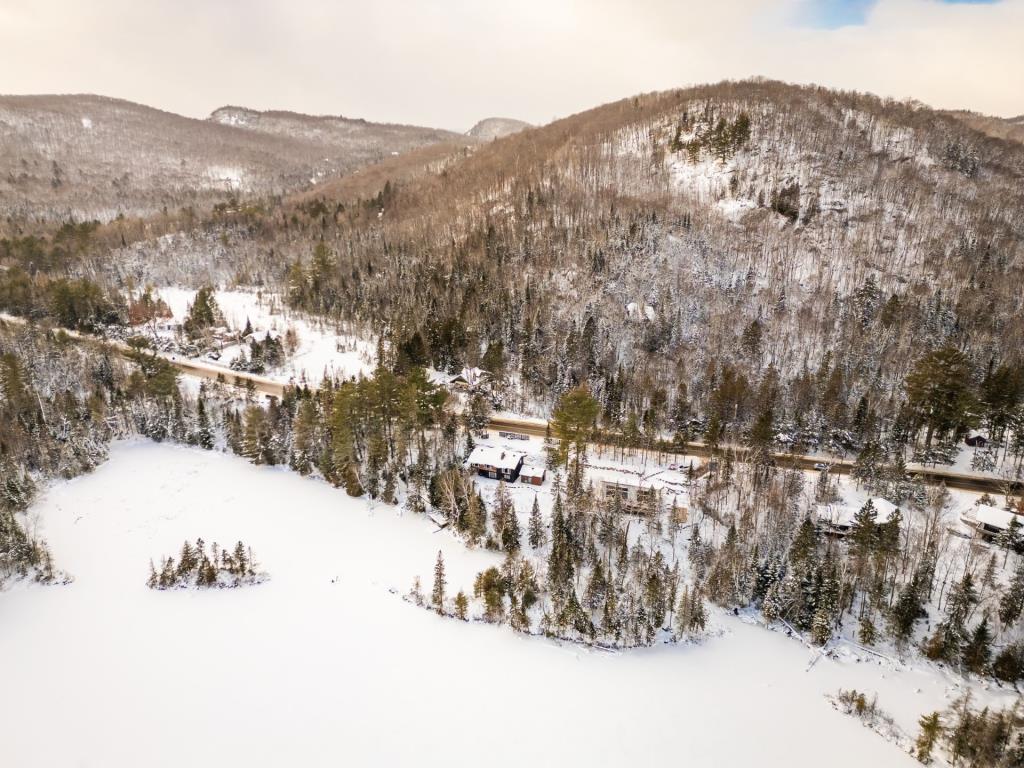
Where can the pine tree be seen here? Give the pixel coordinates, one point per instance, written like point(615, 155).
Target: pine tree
point(949, 637)
point(437, 594)
point(864, 531)
point(204, 434)
point(866, 632)
point(978, 651)
point(461, 606)
point(931, 729)
point(535, 531)
point(1010, 538)
point(511, 537)
point(1011, 604)
point(771, 608)
point(416, 592)
point(241, 560)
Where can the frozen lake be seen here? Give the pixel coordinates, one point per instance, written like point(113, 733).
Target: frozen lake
point(324, 665)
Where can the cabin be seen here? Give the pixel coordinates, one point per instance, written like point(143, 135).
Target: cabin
point(496, 463)
point(532, 475)
point(633, 498)
point(837, 520)
point(989, 521)
point(469, 379)
point(976, 440)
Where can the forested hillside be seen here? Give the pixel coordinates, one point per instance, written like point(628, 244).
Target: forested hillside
point(705, 260)
point(89, 157)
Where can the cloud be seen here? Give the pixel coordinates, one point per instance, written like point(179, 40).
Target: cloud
point(451, 62)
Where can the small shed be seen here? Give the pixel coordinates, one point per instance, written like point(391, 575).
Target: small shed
point(532, 475)
point(496, 463)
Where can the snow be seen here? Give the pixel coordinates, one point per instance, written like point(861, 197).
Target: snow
point(995, 517)
point(322, 350)
point(531, 471)
point(501, 458)
point(324, 665)
point(634, 310)
point(844, 513)
point(231, 176)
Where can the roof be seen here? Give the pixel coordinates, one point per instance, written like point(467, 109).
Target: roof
point(471, 376)
point(502, 458)
point(993, 516)
point(843, 515)
point(529, 470)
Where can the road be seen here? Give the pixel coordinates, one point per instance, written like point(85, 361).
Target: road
point(958, 480)
point(267, 386)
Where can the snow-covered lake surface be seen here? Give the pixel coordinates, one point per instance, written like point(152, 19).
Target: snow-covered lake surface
point(324, 665)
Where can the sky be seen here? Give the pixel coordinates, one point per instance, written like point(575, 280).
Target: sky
point(449, 63)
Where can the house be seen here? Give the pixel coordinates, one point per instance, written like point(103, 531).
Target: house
point(496, 463)
point(630, 497)
point(976, 439)
point(989, 521)
point(469, 378)
point(838, 519)
point(532, 475)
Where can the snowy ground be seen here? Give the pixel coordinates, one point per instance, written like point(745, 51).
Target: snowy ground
point(604, 464)
point(324, 665)
point(321, 347)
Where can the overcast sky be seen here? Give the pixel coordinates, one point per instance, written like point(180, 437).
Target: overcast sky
point(448, 63)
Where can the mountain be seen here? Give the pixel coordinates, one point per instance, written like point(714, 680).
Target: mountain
point(665, 246)
point(689, 255)
point(492, 128)
point(1009, 128)
point(92, 157)
point(351, 141)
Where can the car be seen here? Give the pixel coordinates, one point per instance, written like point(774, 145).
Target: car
point(673, 467)
point(821, 466)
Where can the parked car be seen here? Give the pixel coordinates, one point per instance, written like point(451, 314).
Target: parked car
point(821, 466)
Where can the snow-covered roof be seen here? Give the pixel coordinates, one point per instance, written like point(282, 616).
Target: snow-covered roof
point(528, 470)
point(843, 515)
point(470, 375)
point(993, 516)
point(502, 458)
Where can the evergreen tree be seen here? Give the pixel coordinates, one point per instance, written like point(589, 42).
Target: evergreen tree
point(535, 530)
point(204, 434)
point(437, 593)
point(939, 391)
point(931, 729)
point(573, 422)
point(461, 605)
point(1011, 604)
point(978, 651)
